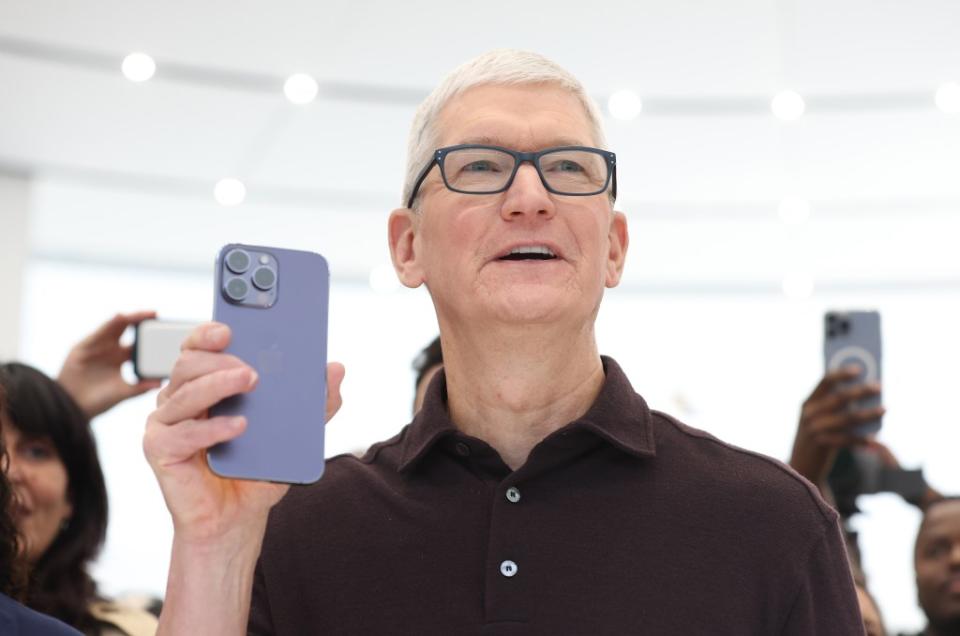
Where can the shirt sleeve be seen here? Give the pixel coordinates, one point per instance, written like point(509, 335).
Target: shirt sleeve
point(826, 602)
point(260, 623)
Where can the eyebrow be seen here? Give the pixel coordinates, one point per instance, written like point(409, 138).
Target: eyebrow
point(485, 140)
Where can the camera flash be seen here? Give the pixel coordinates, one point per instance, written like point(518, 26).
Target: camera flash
point(264, 259)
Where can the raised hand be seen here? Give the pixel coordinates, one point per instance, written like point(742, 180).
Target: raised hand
point(91, 372)
point(828, 422)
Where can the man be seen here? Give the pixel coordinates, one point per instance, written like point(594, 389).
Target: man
point(534, 492)
point(937, 563)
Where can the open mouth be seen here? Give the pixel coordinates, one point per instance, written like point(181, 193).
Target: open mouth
point(532, 253)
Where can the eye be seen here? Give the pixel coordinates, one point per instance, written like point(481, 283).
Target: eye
point(936, 550)
point(568, 166)
point(37, 451)
point(481, 166)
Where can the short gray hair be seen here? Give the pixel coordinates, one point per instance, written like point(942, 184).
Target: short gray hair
point(500, 66)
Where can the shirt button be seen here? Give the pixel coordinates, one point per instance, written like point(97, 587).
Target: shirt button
point(508, 568)
point(513, 494)
point(462, 449)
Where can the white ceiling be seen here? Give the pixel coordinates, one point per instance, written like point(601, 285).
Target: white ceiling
point(124, 172)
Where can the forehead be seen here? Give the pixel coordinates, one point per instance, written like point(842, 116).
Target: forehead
point(521, 117)
point(942, 519)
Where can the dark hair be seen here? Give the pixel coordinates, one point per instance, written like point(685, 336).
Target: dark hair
point(59, 583)
point(12, 574)
point(429, 357)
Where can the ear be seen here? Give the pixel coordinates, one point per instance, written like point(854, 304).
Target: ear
point(402, 229)
point(619, 240)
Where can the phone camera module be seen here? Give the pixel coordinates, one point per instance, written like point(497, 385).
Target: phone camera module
point(238, 261)
point(264, 278)
point(236, 289)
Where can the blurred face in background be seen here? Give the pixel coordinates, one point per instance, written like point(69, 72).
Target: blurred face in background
point(40, 485)
point(937, 561)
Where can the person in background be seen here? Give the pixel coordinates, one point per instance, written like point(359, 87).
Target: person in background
point(426, 365)
point(936, 561)
point(61, 503)
point(828, 421)
point(16, 619)
point(872, 620)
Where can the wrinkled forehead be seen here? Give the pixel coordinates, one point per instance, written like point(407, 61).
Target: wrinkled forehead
point(521, 117)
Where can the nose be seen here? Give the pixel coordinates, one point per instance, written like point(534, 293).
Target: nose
point(527, 198)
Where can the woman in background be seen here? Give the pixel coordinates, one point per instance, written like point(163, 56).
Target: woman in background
point(15, 619)
point(53, 468)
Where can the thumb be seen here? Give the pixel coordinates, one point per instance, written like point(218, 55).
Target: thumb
point(335, 373)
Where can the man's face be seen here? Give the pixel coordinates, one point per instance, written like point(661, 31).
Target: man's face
point(458, 240)
point(937, 561)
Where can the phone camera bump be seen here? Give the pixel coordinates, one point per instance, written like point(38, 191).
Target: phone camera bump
point(236, 289)
point(238, 261)
point(264, 278)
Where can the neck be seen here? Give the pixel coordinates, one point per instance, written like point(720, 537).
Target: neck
point(512, 388)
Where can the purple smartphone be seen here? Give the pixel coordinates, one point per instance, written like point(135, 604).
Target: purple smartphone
point(275, 302)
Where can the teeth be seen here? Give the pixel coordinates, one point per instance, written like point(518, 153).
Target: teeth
point(537, 249)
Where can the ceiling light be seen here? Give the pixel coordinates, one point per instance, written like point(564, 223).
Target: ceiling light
point(300, 88)
point(625, 105)
point(948, 98)
point(794, 210)
point(138, 67)
point(229, 191)
point(788, 105)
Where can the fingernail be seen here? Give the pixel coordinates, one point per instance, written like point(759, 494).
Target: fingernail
point(253, 378)
point(216, 333)
point(235, 423)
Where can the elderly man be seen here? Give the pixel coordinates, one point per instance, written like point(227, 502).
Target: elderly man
point(535, 492)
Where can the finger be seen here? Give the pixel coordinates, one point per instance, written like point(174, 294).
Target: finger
point(193, 363)
point(166, 445)
point(841, 440)
point(840, 400)
point(137, 317)
point(846, 420)
point(196, 396)
point(210, 336)
point(335, 373)
point(831, 378)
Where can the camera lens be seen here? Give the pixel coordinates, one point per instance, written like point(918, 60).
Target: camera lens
point(264, 278)
point(238, 261)
point(237, 289)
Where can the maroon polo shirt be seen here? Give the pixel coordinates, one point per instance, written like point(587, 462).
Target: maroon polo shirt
point(625, 521)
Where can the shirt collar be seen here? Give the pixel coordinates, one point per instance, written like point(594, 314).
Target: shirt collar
point(618, 415)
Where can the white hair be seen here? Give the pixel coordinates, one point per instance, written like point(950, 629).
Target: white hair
point(500, 66)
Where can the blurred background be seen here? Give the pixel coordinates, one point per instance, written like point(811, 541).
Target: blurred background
point(776, 159)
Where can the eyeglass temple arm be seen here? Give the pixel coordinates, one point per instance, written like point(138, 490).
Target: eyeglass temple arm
point(419, 181)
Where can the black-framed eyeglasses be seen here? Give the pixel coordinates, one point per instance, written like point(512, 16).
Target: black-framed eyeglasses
point(577, 171)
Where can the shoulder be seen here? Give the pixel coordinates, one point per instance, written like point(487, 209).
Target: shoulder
point(125, 619)
point(741, 480)
point(15, 620)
